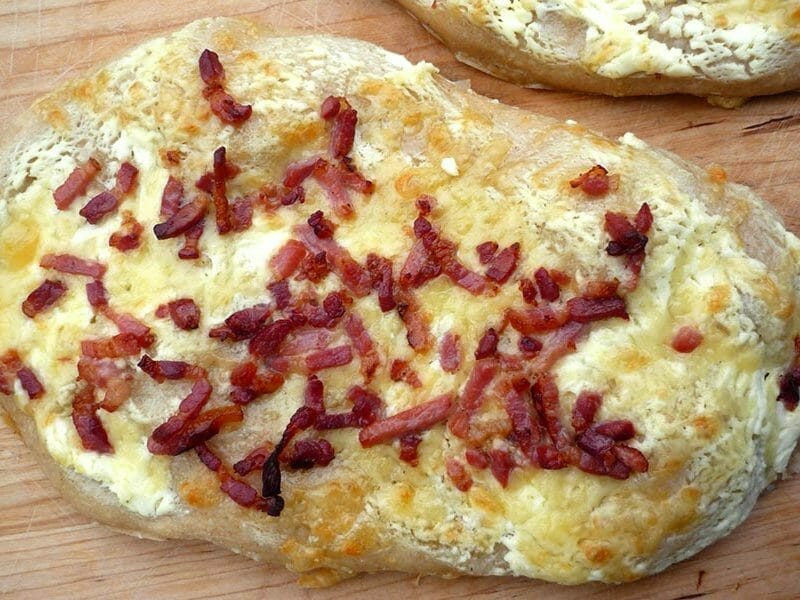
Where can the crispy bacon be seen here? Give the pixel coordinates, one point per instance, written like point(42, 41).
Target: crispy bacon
point(253, 461)
point(331, 107)
point(409, 445)
point(477, 458)
point(586, 310)
point(362, 342)
point(419, 267)
point(548, 288)
point(471, 397)
point(366, 409)
point(487, 346)
point(545, 399)
point(789, 383)
point(126, 178)
point(242, 324)
point(631, 458)
point(450, 352)
point(184, 312)
point(535, 320)
point(129, 324)
point(501, 463)
point(11, 364)
point(197, 430)
point(503, 264)
point(529, 346)
point(486, 252)
point(67, 263)
point(458, 475)
point(241, 214)
point(76, 184)
point(129, 235)
point(222, 104)
point(380, 269)
point(298, 172)
point(88, 425)
point(206, 181)
point(343, 131)
point(306, 454)
point(333, 182)
point(584, 410)
point(416, 322)
point(686, 339)
point(353, 275)
point(105, 374)
point(528, 290)
point(443, 253)
point(30, 383)
point(524, 422)
point(43, 297)
point(187, 216)
point(619, 430)
point(96, 294)
point(413, 420)
point(329, 358)
point(118, 346)
point(267, 341)
point(221, 208)
point(191, 243)
point(305, 341)
point(161, 370)
point(323, 228)
point(595, 181)
point(601, 289)
point(171, 197)
point(99, 206)
point(558, 344)
point(208, 458)
point(285, 262)
point(400, 370)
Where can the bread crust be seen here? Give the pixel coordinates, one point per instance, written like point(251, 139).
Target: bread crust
point(490, 52)
point(365, 532)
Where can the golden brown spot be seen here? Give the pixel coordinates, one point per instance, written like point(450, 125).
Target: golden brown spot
point(201, 492)
point(170, 157)
point(247, 56)
point(414, 181)
point(224, 41)
point(324, 577)
point(439, 139)
point(300, 556)
point(706, 426)
point(718, 298)
point(717, 174)
point(192, 129)
point(721, 21)
point(794, 16)
point(405, 494)
point(596, 552)
point(631, 359)
point(302, 134)
point(483, 500)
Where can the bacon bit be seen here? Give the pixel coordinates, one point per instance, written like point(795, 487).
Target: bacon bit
point(335, 182)
point(409, 444)
point(129, 324)
point(171, 197)
point(412, 420)
point(477, 458)
point(43, 297)
point(619, 431)
point(549, 458)
point(67, 263)
point(644, 219)
point(789, 383)
point(240, 492)
point(443, 253)
point(118, 346)
point(304, 341)
point(425, 204)
point(419, 267)
point(222, 104)
point(323, 228)
point(594, 443)
point(246, 375)
point(458, 475)
point(281, 294)
point(524, 423)
point(486, 252)
point(631, 458)
point(267, 341)
point(306, 454)
point(88, 425)
point(253, 461)
point(184, 312)
point(353, 275)
point(193, 430)
point(595, 181)
point(471, 397)
point(298, 172)
point(187, 216)
point(221, 208)
point(559, 343)
point(586, 310)
point(99, 206)
point(161, 370)
point(501, 463)
point(242, 324)
point(545, 399)
point(504, 264)
point(450, 352)
point(528, 289)
point(117, 381)
point(126, 178)
point(535, 320)
point(529, 346)
point(331, 107)
point(628, 239)
point(129, 235)
point(314, 267)
point(343, 132)
point(30, 383)
point(76, 184)
point(362, 342)
point(380, 269)
point(191, 243)
point(548, 288)
point(366, 409)
point(601, 289)
point(687, 339)
point(487, 346)
point(208, 458)
point(96, 294)
point(400, 370)
point(287, 259)
point(241, 214)
point(329, 358)
point(314, 395)
point(206, 181)
point(584, 410)
point(418, 334)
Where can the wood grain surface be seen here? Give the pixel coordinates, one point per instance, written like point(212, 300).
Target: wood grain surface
point(47, 550)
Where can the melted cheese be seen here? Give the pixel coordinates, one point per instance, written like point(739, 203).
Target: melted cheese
point(727, 39)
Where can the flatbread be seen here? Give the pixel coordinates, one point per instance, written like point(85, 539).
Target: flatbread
point(721, 49)
point(714, 275)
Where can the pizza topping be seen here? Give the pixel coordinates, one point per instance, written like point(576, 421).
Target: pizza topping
point(528, 290)
point(486, 252)
point(306, 454)
point(269, 338)
point(129, 235)
point(329, 358)
point(190, 249)
point(171, 197)
point(117, 346)
point(471, 397)
point(187, 216)
point(789, 383)
point(96, 294)
point(380, 270)
point(362, 342)
point(503, 264)
point(11, 364)
point(413, 420)
point(596, 181)
point(487, 346)
point(297, 172)
point(335, 182)
point(107, 201)
point(628, 238)
point(222, 104)
point(535, 320)
point(322, 227)
point(450, 352)
point(584, 410)
point(184, 312)
point(76, 184)
point(90, 429)
point(458, 474)
point(43, 297)
point(221, 207)
point(353, 275)
point(67, 263)
point(418, 334)
point(161, 370)
point(30, 383)
point(548, 288)
point(529, 345)
point(585, 310)
point(286, 261)
point(686, 339)
point(343, 132)
point(400, 370)
point(130, 325)
point(442, 252)
point(366, 409)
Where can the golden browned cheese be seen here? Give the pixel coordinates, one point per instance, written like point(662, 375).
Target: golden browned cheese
point(717, 259)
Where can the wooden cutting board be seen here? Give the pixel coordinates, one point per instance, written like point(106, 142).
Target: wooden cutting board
point(47, 550)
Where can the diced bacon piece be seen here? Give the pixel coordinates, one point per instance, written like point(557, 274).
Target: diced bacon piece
point(211, 69)
point(413, 420)
point(504, 264)
point(594, 442)
point(208, 458)
point(73, 265)
point(267, 341)
point(631, 458)
point(96, 293)
point(125, 179)
point(323, 228)
point(253, 461)
point(118, 390)
point(416, 322)
point(222, 104)
point(118, 346)
point(551, 459)
point(331, 107)
point(30, 383)
point(409, 445)
point(76, 184)
point(486, 252)
point(161, 370)
point(242, 324)
point(239, 491)
point(687, 339)
point(241, 214)
point(221, 208)
point(314, 267)
point(191, 243)
point(171, 197)
point(343, 132)
point(477, 458)
point(487, 346)
point(450, 352)
point(529, 346)
point(524, 424)
point(472, 395)
point(586, 310)
point(314, 395)
point(400, 370)
point(362, 342)
point(419, 267)
point(366, 408)
point(458, 475)
point(182, 221)
point(380, 269)
point(166, 436)
point(285, 262)
point(329, 358)
point(644, 219)
point(548, 288)
point(353, 275)
point(185, 313)
point(298, 172)
point(601, 289)
point(99, 206)
point(595, 181)
point(584, 410)
point(306, 454)
point(545, 399)
point(625, 238)
point(129, 235)
point(443, 252)
point(43, 297)
point(558, 344)
point(196, 431)
point(306, 341)
point(90, 428)
point(129, 324)
point(281, 294)
point(206, 181)
point(332, 181)
point(501, 463)
point(619, 431)
point(535, 320)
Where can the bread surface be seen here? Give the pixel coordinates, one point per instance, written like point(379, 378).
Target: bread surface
point(718, 259)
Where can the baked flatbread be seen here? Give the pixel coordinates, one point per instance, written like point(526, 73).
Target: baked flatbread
point(297, 296)
point(708, 48)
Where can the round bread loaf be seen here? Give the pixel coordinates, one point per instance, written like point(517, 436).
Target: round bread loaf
point(472, 340)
